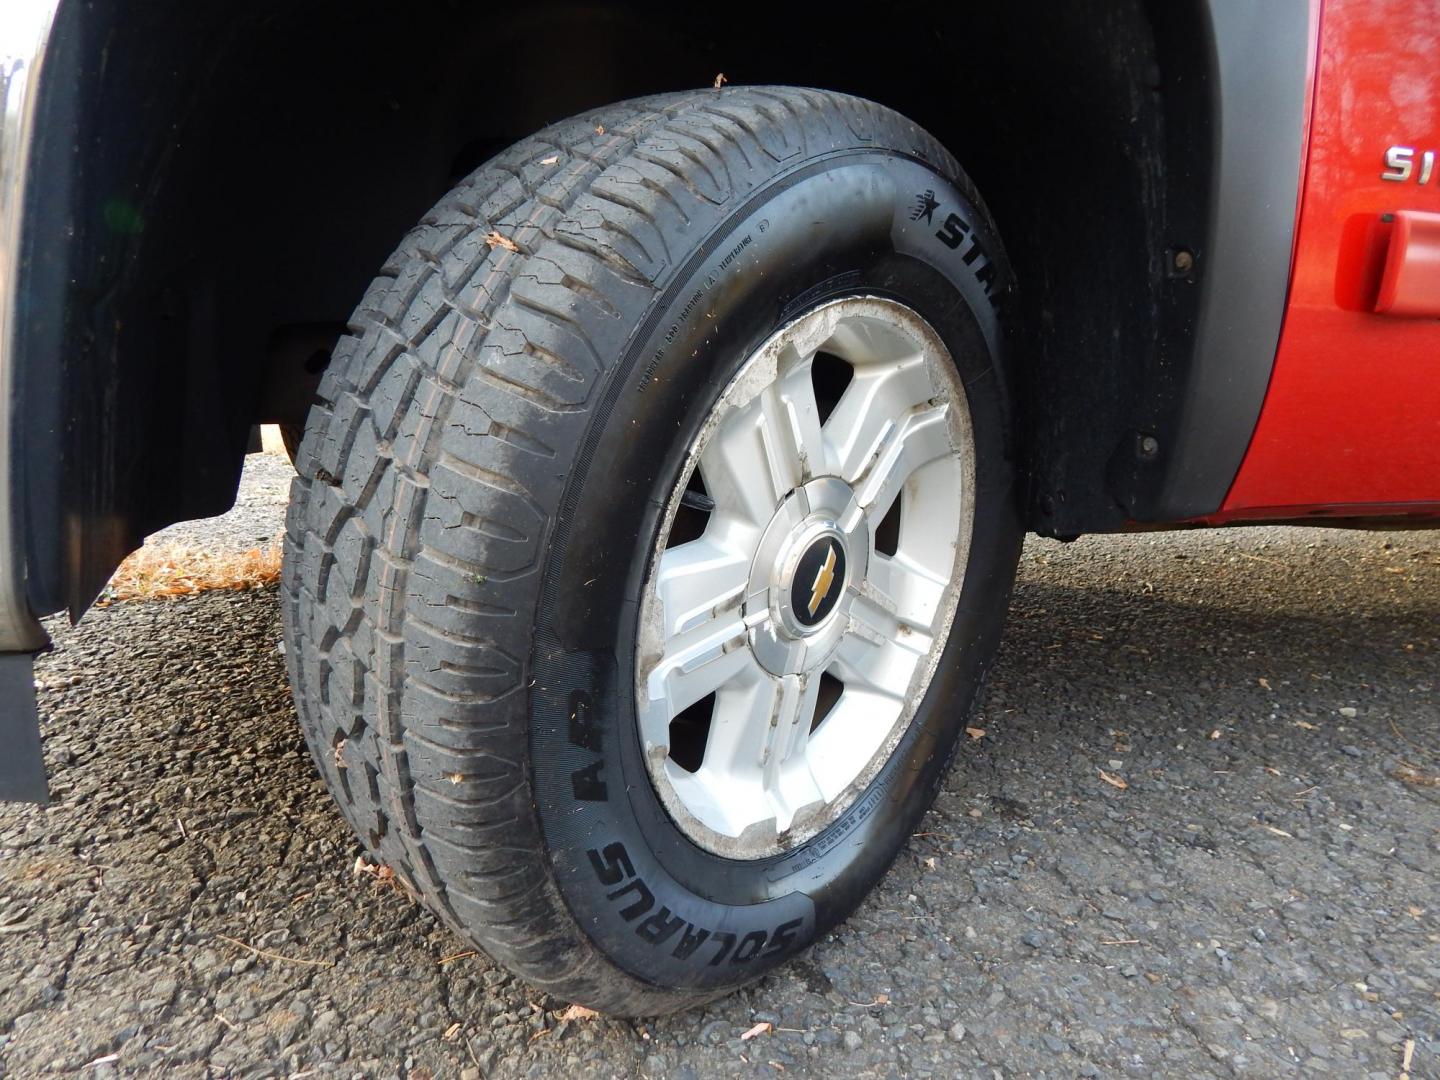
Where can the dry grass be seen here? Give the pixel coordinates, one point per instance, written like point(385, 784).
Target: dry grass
point(164, 570)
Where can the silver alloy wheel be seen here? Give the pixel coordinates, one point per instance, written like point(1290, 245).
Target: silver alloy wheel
point(804, 577)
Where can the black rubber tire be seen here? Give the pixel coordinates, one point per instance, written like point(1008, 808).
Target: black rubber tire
point(478, 493)
point(291, 435)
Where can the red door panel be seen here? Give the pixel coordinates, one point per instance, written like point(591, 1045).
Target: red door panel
point(1351, 421)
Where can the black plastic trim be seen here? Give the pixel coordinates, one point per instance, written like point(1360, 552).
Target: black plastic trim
point(1259, 84)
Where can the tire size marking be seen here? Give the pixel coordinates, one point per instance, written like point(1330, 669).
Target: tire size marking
point(614, 870)
point(822, 844)
point(691, 307)
point(587, 783)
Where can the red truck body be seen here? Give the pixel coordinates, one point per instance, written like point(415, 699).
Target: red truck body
point(1351, 421)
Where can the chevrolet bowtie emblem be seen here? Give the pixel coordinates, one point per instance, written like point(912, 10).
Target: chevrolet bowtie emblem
point(824, 578)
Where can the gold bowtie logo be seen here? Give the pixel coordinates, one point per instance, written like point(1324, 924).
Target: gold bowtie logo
point(824, 578)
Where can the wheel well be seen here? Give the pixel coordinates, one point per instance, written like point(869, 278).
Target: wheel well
point(236, 199)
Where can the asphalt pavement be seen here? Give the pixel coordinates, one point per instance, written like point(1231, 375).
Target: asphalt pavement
point(1195, 833)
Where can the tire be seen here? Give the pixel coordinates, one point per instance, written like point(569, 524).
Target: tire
point(498, 444)
point(291, 435)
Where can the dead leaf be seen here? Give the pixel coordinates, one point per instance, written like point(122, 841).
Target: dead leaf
point(720, 80)
point(599, 129)
point(930, 862)
point(340, 755)
point(1264, 683)
point(578, 1012)
point(382, 874)
point(762, 1028)
point(975, 732)
point(1113, 781)
point(1414, 777)
point(1303, 724)
point(550, 160)
point(1215, 734)
point(494, 239)
point(451, 1032)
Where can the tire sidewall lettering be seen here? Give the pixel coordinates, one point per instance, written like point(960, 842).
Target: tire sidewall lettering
point(652, 901)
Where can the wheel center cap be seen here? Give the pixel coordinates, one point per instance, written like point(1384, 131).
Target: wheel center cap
point(810, 578)
point(814, 550)
point(818, 580)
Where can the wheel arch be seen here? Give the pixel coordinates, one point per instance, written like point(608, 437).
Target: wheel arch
point(203, 226)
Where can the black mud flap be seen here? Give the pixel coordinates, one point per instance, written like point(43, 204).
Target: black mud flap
point(22, 769)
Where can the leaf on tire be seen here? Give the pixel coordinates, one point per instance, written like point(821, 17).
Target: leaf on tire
point(762, 1028)
point(494, 239)
point(1113, 781)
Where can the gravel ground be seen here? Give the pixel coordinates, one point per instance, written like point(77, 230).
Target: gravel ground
point(1198, 837)
point(256, 519)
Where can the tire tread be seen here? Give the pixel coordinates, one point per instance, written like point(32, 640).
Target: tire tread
point(429, 478)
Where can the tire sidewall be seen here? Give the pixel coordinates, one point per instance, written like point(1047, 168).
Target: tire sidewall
point(671, 914)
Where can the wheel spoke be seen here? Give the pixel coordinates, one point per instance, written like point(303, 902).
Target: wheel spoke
point(880, 650)
point(699, 661)
point(758, 735)
point(696, 580)
point(873, 405)
point(791, 402)
point(911, 594)
point(919, 439)
point(740, 729)
point(788, 776)
point(790, 726)
point(749, 463)
point(848, 738)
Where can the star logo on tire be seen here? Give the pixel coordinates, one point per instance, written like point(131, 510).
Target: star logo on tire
point(925, 207)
